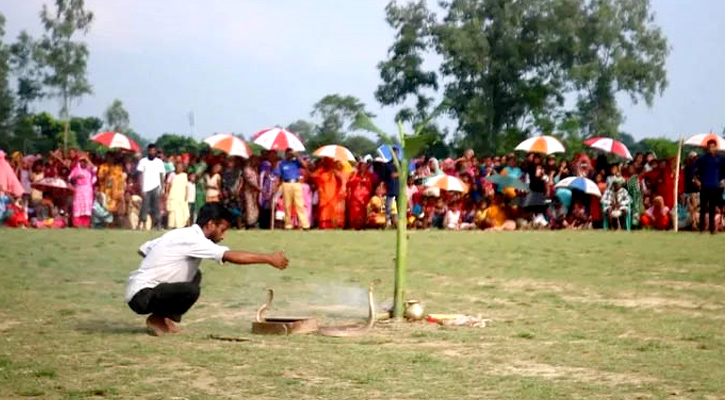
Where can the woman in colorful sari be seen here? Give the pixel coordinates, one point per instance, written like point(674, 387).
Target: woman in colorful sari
point(112, 183)
point(359, 190)
point(328, 180)
point(345, 170)
point(250, 192)
point(633, 188)
point(82, 179)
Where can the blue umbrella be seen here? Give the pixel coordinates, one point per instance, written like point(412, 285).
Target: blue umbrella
point(386, 153)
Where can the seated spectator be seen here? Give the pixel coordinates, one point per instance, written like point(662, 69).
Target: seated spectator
point(101, 217)
point(496, 216)
point(5, 201)
point(579, 218)
point(616, 203)
point(557, 213)
point(658, 216)
point(453, 219)
point(376, 208)
point(16, 214)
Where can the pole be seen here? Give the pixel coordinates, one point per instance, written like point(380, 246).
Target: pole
point(677, 184)
point(401, 250)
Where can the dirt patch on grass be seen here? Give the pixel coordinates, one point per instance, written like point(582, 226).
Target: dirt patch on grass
point(649, 302)
point(557, 372)
point(685, 285)
point(7, 324)
point(531, 285)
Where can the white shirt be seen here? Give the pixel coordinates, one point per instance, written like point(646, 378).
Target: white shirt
point(173, 257)
point(152, 172)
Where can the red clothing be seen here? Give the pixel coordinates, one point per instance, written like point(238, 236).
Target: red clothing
point(18, 217)
point(328, 186)
point(359, 190)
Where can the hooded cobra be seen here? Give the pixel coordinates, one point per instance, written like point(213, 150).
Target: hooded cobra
point(353, 330)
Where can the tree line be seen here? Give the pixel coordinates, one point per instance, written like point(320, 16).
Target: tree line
point(505, 71)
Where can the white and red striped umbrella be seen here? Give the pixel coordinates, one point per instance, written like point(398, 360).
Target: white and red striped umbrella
point(115, 140)
point(229, 144)
point(702, 139)
point(335, 152)
point(541, 144)
point(609, 145)
point(447, 182)
point(278, 139)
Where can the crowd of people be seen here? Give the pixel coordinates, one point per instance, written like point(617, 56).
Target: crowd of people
point(287, 191)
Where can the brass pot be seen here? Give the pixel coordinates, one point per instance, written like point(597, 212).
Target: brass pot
point(414, 310)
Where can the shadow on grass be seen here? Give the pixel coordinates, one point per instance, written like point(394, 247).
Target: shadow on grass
point(96, 326)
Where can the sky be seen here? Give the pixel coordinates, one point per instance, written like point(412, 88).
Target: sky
point(245, 65)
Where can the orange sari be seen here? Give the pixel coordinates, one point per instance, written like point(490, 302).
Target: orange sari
point(328, 186)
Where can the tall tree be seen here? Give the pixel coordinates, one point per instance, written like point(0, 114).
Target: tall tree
point(172, 143)
point(306, 130)
point(619, 49)
point(24, 62)
point(337, 114)
point(64, 58)
point(402, 73)
point(117, 118)
point(6, 99)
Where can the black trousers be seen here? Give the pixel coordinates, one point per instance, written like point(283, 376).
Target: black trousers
point(150, 204)
point(709, 199)
point(169, 300)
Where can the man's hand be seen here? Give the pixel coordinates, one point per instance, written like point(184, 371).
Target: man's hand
point(278, 260)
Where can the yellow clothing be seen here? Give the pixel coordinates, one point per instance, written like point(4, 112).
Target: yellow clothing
point(292, 195)
point(376, 211)
point(36, 196)
point(213, 188)
point(495, 215)
point(176, 205)
point(112, 182)
point(480, 217)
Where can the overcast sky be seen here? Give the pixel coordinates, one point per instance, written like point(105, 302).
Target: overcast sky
point(243, 65)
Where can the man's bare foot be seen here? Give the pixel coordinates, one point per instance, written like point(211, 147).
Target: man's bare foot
point(171, 326)
point(156, 325)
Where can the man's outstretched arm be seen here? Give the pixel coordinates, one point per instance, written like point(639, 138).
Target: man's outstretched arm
point(277, 260)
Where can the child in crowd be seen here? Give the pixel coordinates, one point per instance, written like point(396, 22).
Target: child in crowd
point(657, 216)
point(376, 208)
point(16, 215)
point(453, 219)
point(580, 218)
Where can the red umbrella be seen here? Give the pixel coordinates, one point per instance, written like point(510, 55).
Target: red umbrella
point(114, 140)
point(609, 145)
point(278, 139)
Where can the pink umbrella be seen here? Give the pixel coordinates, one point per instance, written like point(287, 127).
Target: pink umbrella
point(278, 139)
point(9, 182)
point(609, 145)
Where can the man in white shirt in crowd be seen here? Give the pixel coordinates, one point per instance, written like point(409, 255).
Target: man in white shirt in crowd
point(166, 284)
point(152, 175)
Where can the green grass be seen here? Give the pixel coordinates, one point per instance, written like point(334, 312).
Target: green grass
point(575, 315)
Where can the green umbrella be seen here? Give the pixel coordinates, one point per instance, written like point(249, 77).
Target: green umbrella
point(507, 181)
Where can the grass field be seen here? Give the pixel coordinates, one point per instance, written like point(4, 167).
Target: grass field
point(575, 315)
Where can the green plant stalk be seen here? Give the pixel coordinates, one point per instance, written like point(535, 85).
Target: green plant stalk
point(401, 253)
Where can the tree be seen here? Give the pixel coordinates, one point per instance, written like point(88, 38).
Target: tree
point(84, 128)
point(6, 99)
point(337, 114)
point(662, 147)
point(172, 143)
point(304, 129)
point(64, 59)
point(360, 145)
point(507, 66)
point(619, 49)
point(24, 57)
point(117, 118)
point(402, 73)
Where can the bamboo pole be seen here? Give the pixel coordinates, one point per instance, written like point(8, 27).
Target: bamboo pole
point(401, 250)
point(677, 185)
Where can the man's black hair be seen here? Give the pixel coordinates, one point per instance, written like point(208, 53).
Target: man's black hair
point(151, 146)
point(214, 212)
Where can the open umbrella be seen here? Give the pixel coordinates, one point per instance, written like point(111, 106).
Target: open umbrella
point(447, 182)
point(115, 140)
point(541, 144)
point(609, 145)
point(278, 139)
point(9, 182)
point(54, 185)
point(582, 184)
point(702, 139)
point(229, 144)
point(335, 152)
point(505, 181)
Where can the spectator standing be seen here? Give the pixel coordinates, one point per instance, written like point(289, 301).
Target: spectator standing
point(708, 177)
point(152, 171)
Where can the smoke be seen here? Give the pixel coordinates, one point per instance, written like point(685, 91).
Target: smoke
point(331, 300)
